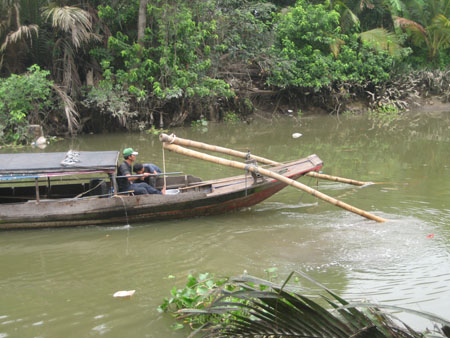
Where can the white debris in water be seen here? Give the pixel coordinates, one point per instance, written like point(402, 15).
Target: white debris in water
point(296, 135)
point(124, 294)
point(101, 329)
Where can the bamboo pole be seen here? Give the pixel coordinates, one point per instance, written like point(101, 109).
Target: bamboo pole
point(265, 172)
point(337, 179)
point(200, 145)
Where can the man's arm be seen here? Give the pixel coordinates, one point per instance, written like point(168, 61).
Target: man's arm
point(124, 170)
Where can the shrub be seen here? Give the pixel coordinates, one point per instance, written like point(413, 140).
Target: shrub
point(312, 52)
point(24, 99)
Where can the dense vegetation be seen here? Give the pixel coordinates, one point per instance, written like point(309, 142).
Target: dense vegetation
point(100, 65)
point(246, 306)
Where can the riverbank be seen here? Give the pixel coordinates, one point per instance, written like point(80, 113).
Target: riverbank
point(431, 106)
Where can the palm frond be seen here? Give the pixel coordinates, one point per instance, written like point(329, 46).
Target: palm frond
point(409, 24)
point(264, 309)
point(396, 6)
point(441, 21)
point(348, 17)
point(335, 47)
point(418, 33)
point(3, 27)
point(69, 109)
point(441, 24)
point(72, 20)
point(381, 39)
point(423, 314)
point(23, 33)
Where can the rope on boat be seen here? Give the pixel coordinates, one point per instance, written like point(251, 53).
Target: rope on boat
point(164, 165)
point(88, 191)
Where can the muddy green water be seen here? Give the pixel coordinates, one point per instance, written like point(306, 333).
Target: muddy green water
point(59, 283)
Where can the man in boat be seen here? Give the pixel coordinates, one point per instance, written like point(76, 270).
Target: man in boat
point(150, 168)
point(128, 183)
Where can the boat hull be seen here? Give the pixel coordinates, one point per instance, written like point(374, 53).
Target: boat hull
point(207, 198)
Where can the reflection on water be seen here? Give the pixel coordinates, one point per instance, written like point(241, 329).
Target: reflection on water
point(58, 283)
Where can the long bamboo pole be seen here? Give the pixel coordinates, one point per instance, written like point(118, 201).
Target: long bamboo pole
point(265, 172)
point(337, 179)
point(200, 145)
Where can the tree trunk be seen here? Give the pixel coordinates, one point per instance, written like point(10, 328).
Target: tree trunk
point(142, 20)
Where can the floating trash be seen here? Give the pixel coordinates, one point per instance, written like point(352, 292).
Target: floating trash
point(124, 294)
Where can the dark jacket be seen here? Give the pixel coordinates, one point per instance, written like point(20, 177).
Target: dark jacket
point(122, 170)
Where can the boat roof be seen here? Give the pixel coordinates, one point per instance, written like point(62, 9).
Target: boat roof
point(33, 165)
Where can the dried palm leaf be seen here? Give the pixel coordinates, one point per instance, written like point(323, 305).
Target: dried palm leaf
point(410, 25)
point(72, 20)
point(336, 47)
point(21, 34)
point(69, 109)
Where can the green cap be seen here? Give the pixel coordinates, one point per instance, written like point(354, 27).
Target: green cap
point(129, 151)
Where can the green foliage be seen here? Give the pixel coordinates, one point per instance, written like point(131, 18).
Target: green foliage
point(192, 50)
point(201, 124)
point(156, 131)
point(24, 99)
point(427, 24)
point(197, 294)
point(231, 118)
point(120, 18)
point(171, 64)
point(112, 100)
point(249, 306)
point(312, 51)
point(245, 29)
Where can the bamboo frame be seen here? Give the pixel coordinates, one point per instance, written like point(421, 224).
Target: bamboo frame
point(265, 172)
point(200, 145)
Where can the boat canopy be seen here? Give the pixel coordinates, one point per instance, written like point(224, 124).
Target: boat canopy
point(35, 165)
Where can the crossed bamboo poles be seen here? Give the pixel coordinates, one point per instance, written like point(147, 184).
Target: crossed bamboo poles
point(175, 144)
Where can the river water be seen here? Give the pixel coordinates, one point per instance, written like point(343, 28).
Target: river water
point(59, 283)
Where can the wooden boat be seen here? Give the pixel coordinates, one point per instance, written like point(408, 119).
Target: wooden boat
point(64, 189)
